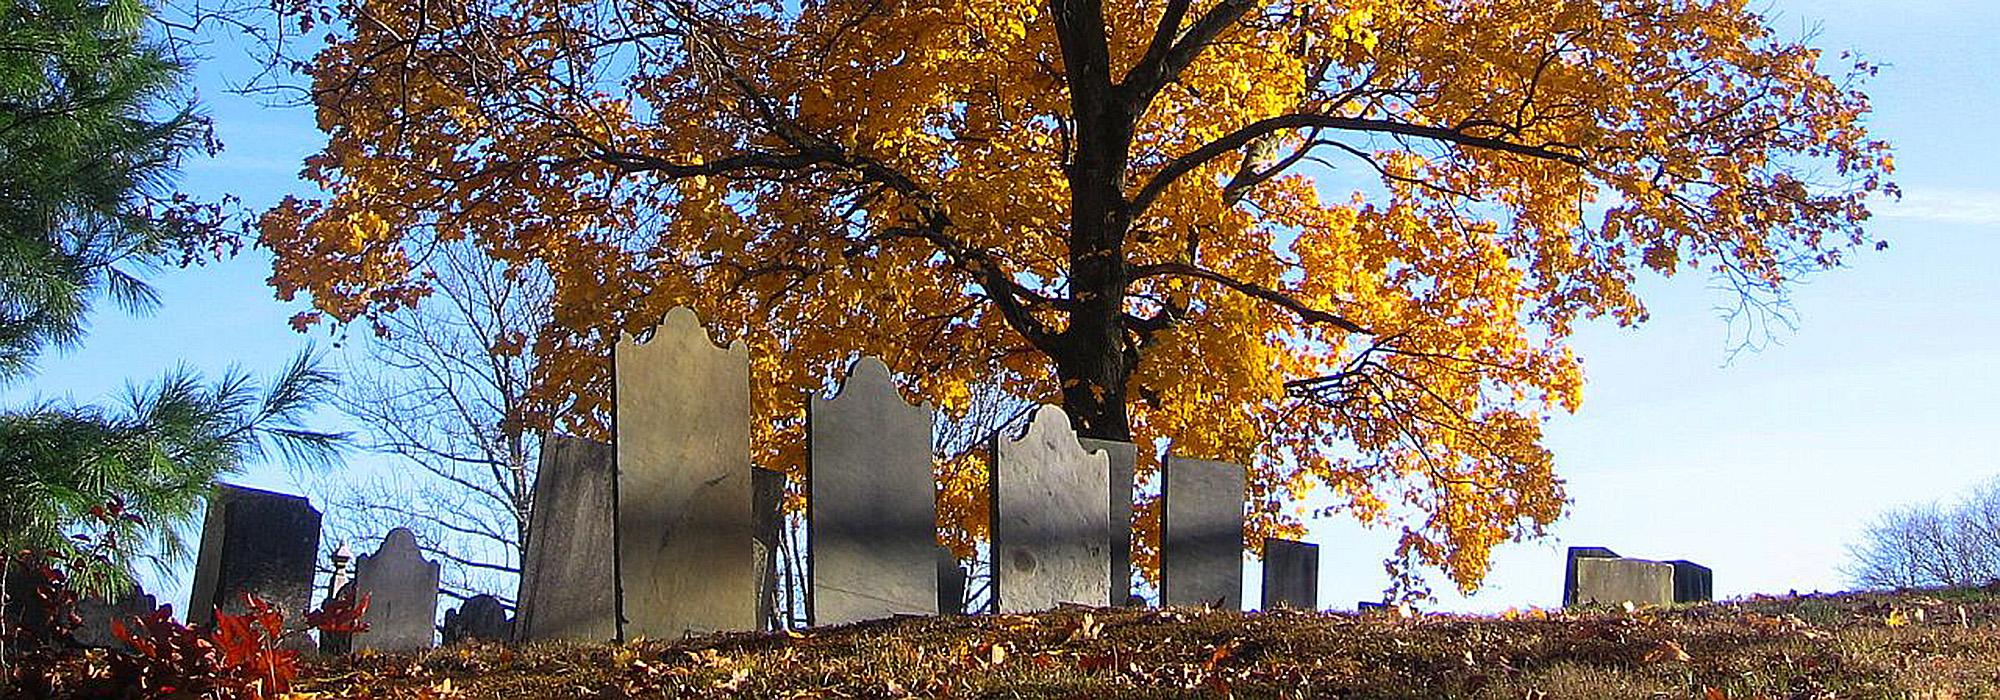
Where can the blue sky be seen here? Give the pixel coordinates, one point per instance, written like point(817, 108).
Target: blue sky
point(1763, 467)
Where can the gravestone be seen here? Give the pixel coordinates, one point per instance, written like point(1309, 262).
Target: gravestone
point(1619, 581)
point(951, 582)
point(1368, 606)
point(1051, 526)
point(873, 510)
point(686, 561)
point(1693, 583)
point(1569, 569)
point(482, 617)
point(1291, 574)
point(254, 542)
point(1124, 458)
point(568, 581)
point(94, 612)
point(1201, 543)
point(402, 590)
point(768, 500)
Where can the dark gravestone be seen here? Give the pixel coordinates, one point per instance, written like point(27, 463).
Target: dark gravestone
point(951, 583)
point(1291, 574)
point(1693, 583)
point(1051, 529)
point(1569, 569)
point(873, 510)
point(768, 501)
point(1368, 606)
point(1201, 544)
point(482, 617)
point(402, 591)
point(24, 610)
point(1124, 459)
point(685, 530)
point(258, 543)
point(568, 580)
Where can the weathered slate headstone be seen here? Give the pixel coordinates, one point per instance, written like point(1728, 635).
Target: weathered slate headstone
point(1051, 527)
point(1291, 574)
point(402, 590)
point(768, 501)
point(1569, 569)
point(1693, 583)
point(1619, 581)
point(254, 542)
point(1201, 544)
point(1124, 458)
point(873, 510)
point(481, 617)
point(569, 585)
point(951, 582)
point(685, 527)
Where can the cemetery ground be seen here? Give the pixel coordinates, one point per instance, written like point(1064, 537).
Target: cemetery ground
point(1939, 643)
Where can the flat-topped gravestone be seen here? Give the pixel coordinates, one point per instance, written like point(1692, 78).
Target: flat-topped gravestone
point(402, 590)
point(1051, 526)
point(1124, 458)
point(1291, 574)
point(1693, 583)
point(255, 542)
point(684, 522)
point(873, 510)
point(951, 582)
point(768, 501)
point(482, 617)
point(1201, 543)
point(569, 584)
point(1619, 581)
point(1569, 569)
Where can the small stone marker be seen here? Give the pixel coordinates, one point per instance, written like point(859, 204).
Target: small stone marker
point(482, 617)
point(1368, 606)
point(1201, 546)
point(1124, 457)
point(873, 510)
point(1619, 581)
point(569, 584)
point(768, 501)
point(24, 609)
point(402, 590)
point(254, 542)
point(1051, 527)
point(1569, 569)
point(1693, 583)
point(684, 524)
point(951, 583)
point(1291, 574)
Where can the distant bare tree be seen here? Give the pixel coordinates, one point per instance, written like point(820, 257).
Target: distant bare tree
point(431, 395)
point(1932, 544)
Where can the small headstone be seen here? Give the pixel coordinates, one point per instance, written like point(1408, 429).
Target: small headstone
point(768, 501)
point(568, 582)
point(24, 609)
point(1569, 569)
point(482, 617)
point(1051, 526)
point(254, 542)
point(1368, 606)
point(1619, 581)
point(686, 562)
point(402, 590)
point(1693, 583)
point(1124, 458)
point(1291, 574)
point(951, 583)
point(873, 510)
point(1201, 544)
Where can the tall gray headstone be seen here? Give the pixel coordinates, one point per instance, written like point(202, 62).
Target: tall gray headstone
point(685, 530)
point(255, 542)
point(569, 583)
point(481, 617)
point(873, 510)
point(402, 590)
point(1051, 526)
point(1201, 543)
point(1618, 581)
point(1291, 574)
point(1124, 458)
point(768, 500)
point(1569, 568)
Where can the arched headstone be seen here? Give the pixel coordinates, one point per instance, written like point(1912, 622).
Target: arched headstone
point(1051, 520)
point(402, 590)
point(873, 509)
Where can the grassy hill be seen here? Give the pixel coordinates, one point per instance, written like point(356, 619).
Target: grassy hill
point(1943, 644)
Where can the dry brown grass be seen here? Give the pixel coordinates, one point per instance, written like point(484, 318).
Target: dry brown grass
point(1936, 644)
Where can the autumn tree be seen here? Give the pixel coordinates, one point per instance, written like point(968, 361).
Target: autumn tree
point(1344, 243)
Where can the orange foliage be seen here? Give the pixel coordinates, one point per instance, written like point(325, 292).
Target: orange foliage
point(1347, 241)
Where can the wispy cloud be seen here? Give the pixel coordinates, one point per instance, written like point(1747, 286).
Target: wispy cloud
point(1944, 206)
